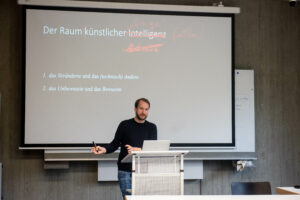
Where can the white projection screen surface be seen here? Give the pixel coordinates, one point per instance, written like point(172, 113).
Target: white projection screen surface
point(84, 69)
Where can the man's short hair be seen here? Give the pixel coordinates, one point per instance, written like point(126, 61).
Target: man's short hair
point(136, 104)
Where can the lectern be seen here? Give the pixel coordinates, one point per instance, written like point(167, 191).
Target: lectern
point(157, 172)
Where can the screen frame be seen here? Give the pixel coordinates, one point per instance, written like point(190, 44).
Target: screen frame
point(128, 11)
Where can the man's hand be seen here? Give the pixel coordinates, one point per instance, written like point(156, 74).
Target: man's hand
point(131, 149)
point(98, 150)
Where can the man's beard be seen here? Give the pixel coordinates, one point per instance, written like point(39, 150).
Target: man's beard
point(143, 117)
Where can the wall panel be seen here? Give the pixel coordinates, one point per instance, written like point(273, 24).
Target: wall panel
point(267, 40)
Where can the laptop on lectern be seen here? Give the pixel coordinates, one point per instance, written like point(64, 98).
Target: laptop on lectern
point(156, 145)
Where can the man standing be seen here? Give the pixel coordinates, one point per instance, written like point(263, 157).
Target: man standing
point(130, 136)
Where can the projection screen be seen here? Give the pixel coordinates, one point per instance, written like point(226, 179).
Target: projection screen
point(86, 68)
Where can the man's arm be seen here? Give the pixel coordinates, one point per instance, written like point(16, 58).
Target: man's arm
point(153, 136)
point(130, 148)
point(98, 150)
point(115, 144)
point(111, 147)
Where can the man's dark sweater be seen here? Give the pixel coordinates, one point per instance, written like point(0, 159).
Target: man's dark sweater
point(132, 133)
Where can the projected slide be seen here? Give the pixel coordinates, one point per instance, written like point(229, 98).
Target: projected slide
point(84, 70)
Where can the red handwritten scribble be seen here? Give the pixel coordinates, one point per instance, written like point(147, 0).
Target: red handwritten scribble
point(161, 35)
point(148, 48)
point(187, 33)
